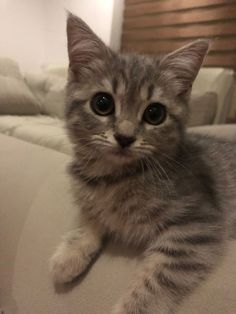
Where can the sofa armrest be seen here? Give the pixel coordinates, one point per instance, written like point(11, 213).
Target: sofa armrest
point(221, 82)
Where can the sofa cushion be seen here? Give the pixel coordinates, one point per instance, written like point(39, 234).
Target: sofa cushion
point(9, 67)
point(54, 100)
point(202, 109)
point(48, 86)
point(15, 96)
point(220, 81)
point(59, 70)
point(42, 130)
point(224, 131)
point(36, 82)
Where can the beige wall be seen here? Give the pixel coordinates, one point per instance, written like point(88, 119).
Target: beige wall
point(21, 31)
point(33, 31)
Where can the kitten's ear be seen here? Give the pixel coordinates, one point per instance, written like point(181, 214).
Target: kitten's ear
point(181, 66)
point(84, 46)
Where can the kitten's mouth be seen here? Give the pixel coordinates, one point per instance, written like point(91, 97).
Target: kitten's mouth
point(121, 153)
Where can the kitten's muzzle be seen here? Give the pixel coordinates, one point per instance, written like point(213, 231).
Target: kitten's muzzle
point(124, 141)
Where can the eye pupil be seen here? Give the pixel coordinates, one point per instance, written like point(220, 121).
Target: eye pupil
point(155, 114)
point(103, 104)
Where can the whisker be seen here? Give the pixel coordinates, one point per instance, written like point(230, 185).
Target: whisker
point(157, 167)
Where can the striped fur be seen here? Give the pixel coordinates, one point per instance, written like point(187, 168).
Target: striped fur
point(173, 195)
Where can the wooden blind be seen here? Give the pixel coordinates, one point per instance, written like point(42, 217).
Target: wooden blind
point(161, 26)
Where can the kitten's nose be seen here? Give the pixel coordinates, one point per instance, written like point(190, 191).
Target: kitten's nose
point(124, 141)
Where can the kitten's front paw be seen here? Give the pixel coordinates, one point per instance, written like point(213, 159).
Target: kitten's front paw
point(67, 263)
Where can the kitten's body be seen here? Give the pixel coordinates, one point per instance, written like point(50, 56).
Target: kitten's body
point(196, 187)
point(170, 193)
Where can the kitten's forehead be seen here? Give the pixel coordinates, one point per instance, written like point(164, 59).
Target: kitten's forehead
point(137, 73)
point(134, 79)
point(137, 83)
point(132, 76)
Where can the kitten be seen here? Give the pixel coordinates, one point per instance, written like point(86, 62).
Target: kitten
point(138, 176)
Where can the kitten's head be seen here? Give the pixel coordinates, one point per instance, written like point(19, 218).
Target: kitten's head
point(122, 108)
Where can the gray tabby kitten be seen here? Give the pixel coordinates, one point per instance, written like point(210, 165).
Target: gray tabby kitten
point(138, 176)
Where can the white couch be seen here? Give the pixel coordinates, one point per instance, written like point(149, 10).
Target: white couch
point(222, 82)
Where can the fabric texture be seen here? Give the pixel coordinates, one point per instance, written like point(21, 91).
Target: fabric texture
point(41, 129)
point(55, 96)
point(48, 86)
point(202, 109)
point(220, 81)
point(36, 83)
point(59, 70)
point(32, 223)
point(15, 96)
point(224, 131)
point(9, 67)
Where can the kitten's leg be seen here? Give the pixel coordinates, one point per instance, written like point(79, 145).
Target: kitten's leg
point(75, 253)
point(169, 273)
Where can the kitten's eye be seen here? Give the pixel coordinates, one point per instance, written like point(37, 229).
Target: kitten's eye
point(155, 114)
point(103, 104)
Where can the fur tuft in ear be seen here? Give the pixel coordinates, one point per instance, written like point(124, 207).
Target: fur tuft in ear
point(182, 66)
point(84, 46)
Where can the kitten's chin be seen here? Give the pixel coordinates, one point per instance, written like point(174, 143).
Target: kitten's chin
point(119, 155)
